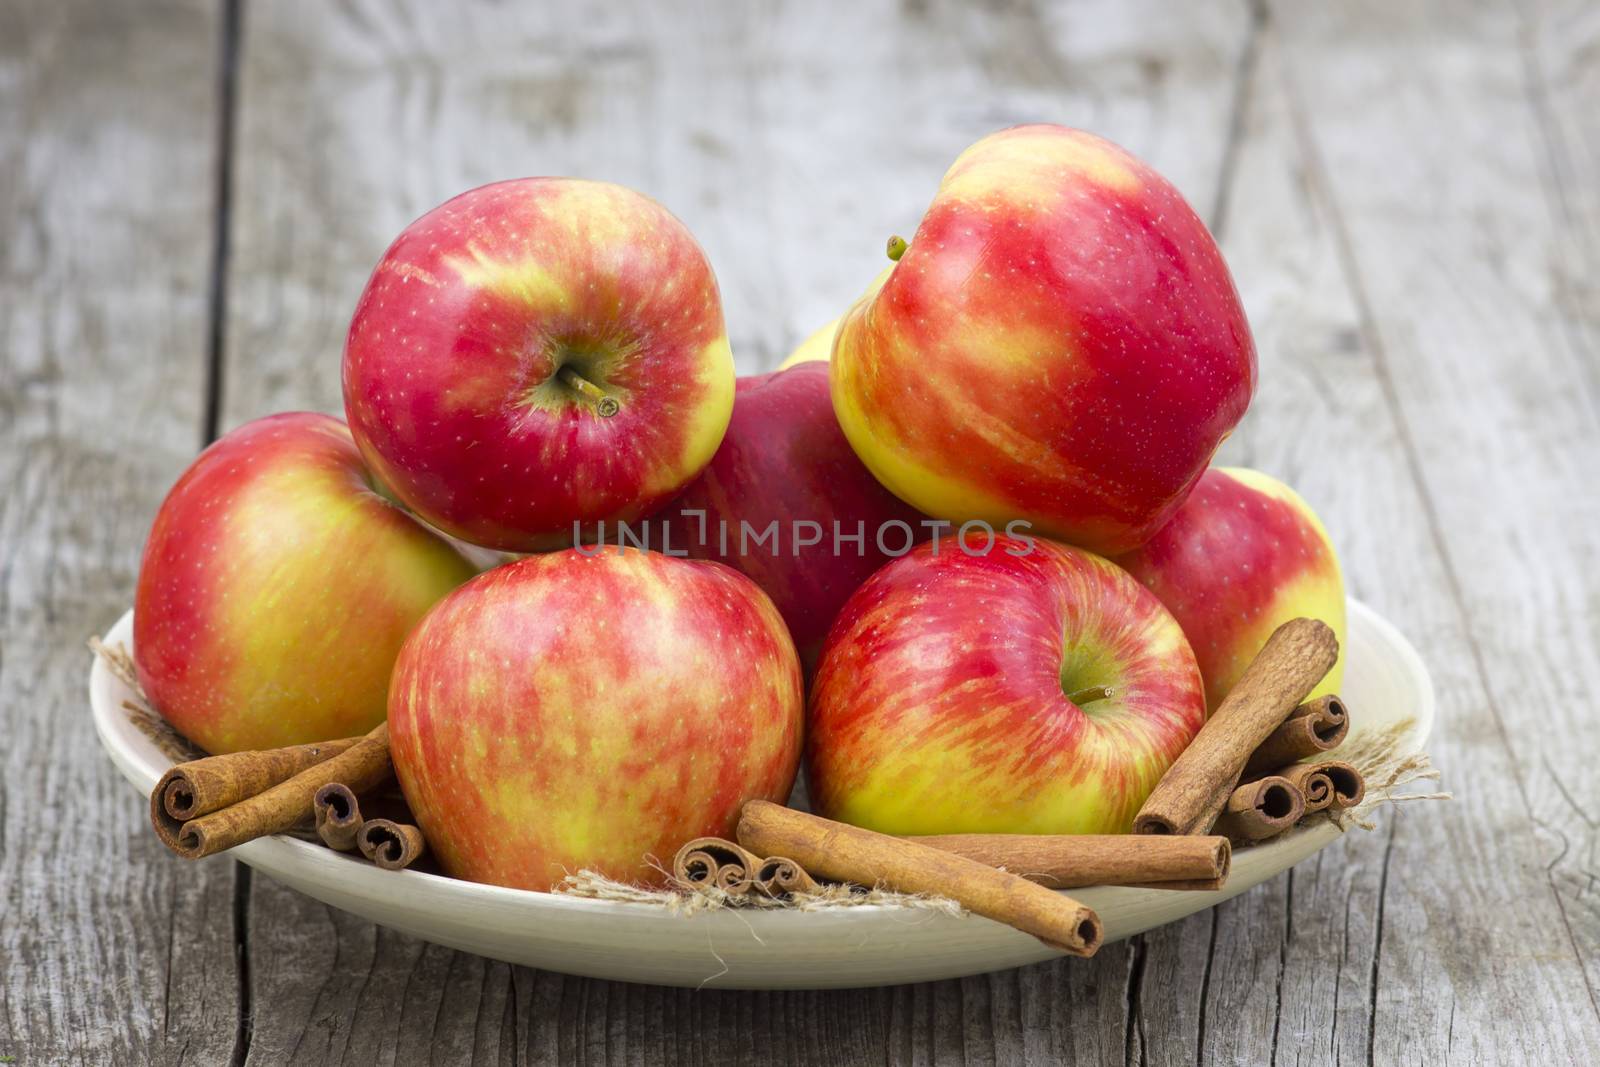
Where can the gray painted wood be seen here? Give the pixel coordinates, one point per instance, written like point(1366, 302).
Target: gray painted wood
point(1406, 192)
point(1411, 931)
point(1422, 128)
point(109, 952)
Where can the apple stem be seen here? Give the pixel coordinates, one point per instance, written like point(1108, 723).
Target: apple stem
point(897, 247)
point(606, 405)
point(1091, 694)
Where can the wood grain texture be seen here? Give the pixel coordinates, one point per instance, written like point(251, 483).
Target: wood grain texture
point(106, 165)
point(1447, 216)
point(1559, 43)
point(792, 142)
point(1405, 989)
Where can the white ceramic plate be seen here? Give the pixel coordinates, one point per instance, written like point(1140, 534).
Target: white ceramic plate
point(1385, 682)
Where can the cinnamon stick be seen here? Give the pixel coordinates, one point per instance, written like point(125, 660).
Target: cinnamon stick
point(1314, 785)
point(712, 863)
point(1261, 809)
point(1347, 784)
point(846, 853)
point(1195, 788)
point(1069, 861)
point(282, 807)
point(780, 876)
point(338, 816)
point(391, 845)
point(202, 786)
point(1315, 726)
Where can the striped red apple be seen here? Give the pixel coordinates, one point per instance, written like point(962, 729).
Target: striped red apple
point(276, 588)
point(1029, 688)
point(1060, 343)
point(1244, 555)
point(572, 711)
point(536, 354)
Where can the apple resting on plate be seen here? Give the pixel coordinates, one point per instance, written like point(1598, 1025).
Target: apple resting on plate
point(276, 588)
point(572, 711)
point(1032, 688)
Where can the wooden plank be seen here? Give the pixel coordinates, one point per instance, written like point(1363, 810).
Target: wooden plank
point(111, 951)
point(1558, 41)
point(1422, 198)
point(791, 143)
point(1361, 954)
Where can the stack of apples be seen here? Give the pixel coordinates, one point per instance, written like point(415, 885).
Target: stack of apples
point(973, 519)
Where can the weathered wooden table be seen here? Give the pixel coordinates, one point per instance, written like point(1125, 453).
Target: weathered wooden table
point(192, 194)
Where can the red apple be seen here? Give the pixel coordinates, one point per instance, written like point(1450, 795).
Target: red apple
point(1242, 556)
point(277, 587)
point(536, 354)
point(1061, 343)
point(784, 461)
point(572, 711)
point(1032, 688)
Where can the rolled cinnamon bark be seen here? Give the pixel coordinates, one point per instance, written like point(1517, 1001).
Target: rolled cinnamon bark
point(1069, 861)
point(779, 876)
point(1315, 786)
point(846, 853)
point(338, 816)
point(284, 806)
point(1195, 788)
point(712, 863)
point(1349, 786)
point(202, 786)
point(391, 845)
point(1327, 784)
point(1261, 809)
point(1315, 726)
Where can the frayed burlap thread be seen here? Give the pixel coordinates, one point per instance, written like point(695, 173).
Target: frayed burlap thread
point(1387, 771)
point(144, 718)
point(692, 899)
